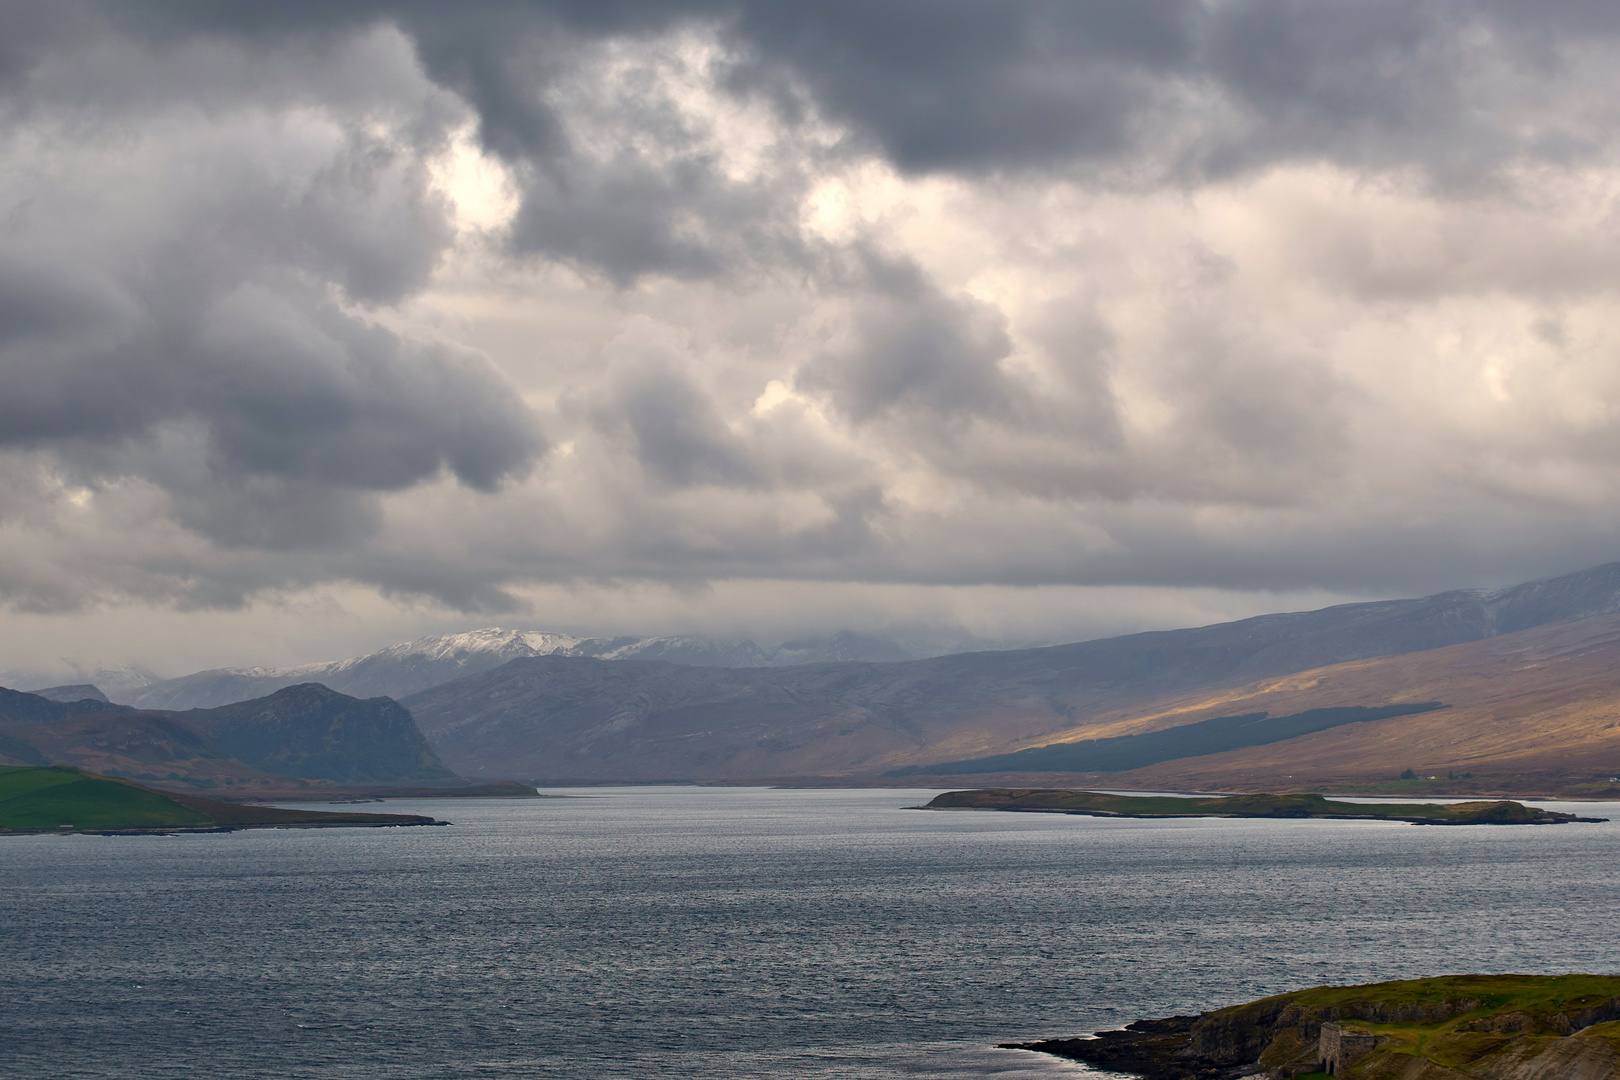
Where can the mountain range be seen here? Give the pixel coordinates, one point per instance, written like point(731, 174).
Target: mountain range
point(417, 665)
point(560, 717)
point(1513, 681)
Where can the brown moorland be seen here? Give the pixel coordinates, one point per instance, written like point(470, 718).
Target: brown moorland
point(1534, 711)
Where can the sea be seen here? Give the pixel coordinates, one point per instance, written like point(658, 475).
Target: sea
point(741, 933)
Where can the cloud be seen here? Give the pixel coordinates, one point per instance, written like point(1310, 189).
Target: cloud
point(912, 350)
point(671, 426)
point(184, 300)
point(1255, 294)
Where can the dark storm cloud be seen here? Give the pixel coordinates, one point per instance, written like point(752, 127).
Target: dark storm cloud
point(961, 84)
point(1148, 91)
point(1179, 88)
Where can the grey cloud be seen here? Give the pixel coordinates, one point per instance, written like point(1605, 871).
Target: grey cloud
point(368, 222)
point(1253, 424)
point(678, 436)
point(310, 394)
point(188, 320)
point(1178, 86)
point(913, 349)
point(1144, 91)
point(1179, 90)
point(628, 219)
point(968, 85)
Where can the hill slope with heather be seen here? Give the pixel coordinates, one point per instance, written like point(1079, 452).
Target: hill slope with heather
point(558, 717)
point(1534, 710)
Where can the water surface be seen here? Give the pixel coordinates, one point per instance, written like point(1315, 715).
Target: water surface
point(730, 933)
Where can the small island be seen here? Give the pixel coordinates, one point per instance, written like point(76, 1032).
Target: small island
point(63, 800)
point(1457, 1027)
point(1101, 804)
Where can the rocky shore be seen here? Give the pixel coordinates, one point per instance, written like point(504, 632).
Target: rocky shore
point(1465, 1027)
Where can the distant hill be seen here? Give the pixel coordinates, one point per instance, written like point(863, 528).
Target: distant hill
point(1538, 709)
point(304, 732)
point(315, 733)
point(405, 669)
point(153, 747)
point(561, 717)
point(392, 672)
point(76, 692)
point(18, 707)
point(117, 683)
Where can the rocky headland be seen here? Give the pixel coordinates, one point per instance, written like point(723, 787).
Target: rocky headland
point(1459, 1027)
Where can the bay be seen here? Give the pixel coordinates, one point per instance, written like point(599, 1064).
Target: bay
point(739, 932)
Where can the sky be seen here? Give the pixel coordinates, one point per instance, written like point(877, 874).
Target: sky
point(323, 326)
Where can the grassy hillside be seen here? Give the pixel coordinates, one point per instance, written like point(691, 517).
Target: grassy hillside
point(1500, 1027)
point(67, 800)
point(46, 799)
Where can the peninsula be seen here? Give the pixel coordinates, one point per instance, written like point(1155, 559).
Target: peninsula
point(1456, 1027)
point(1102, 804)
point(65, 800)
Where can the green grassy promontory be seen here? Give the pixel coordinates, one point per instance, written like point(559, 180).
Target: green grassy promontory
point(1100, 804)
point(65, 800)
point(1456, 1027)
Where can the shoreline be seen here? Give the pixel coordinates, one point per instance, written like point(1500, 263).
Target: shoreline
point(179, 830)
point(1516, 1025)
point(1299, 806)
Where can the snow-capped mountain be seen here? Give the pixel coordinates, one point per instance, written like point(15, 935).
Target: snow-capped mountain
point(392, 672)
point(120, 683)
point(417, 665)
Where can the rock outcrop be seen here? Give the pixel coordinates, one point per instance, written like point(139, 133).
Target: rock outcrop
point(1468, 1027)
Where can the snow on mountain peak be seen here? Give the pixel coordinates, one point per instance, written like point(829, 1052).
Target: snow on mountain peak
point(488, 641)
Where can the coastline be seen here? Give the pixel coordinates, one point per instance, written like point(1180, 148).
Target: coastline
point(183, 829)
point(1511, 1027)
point(1307, 806)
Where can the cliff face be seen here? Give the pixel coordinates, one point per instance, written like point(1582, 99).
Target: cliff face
point(313, 732)
point(1454, 1028)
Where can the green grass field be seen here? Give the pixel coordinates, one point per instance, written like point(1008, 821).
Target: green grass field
point(35, 800)
point(56, 799)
